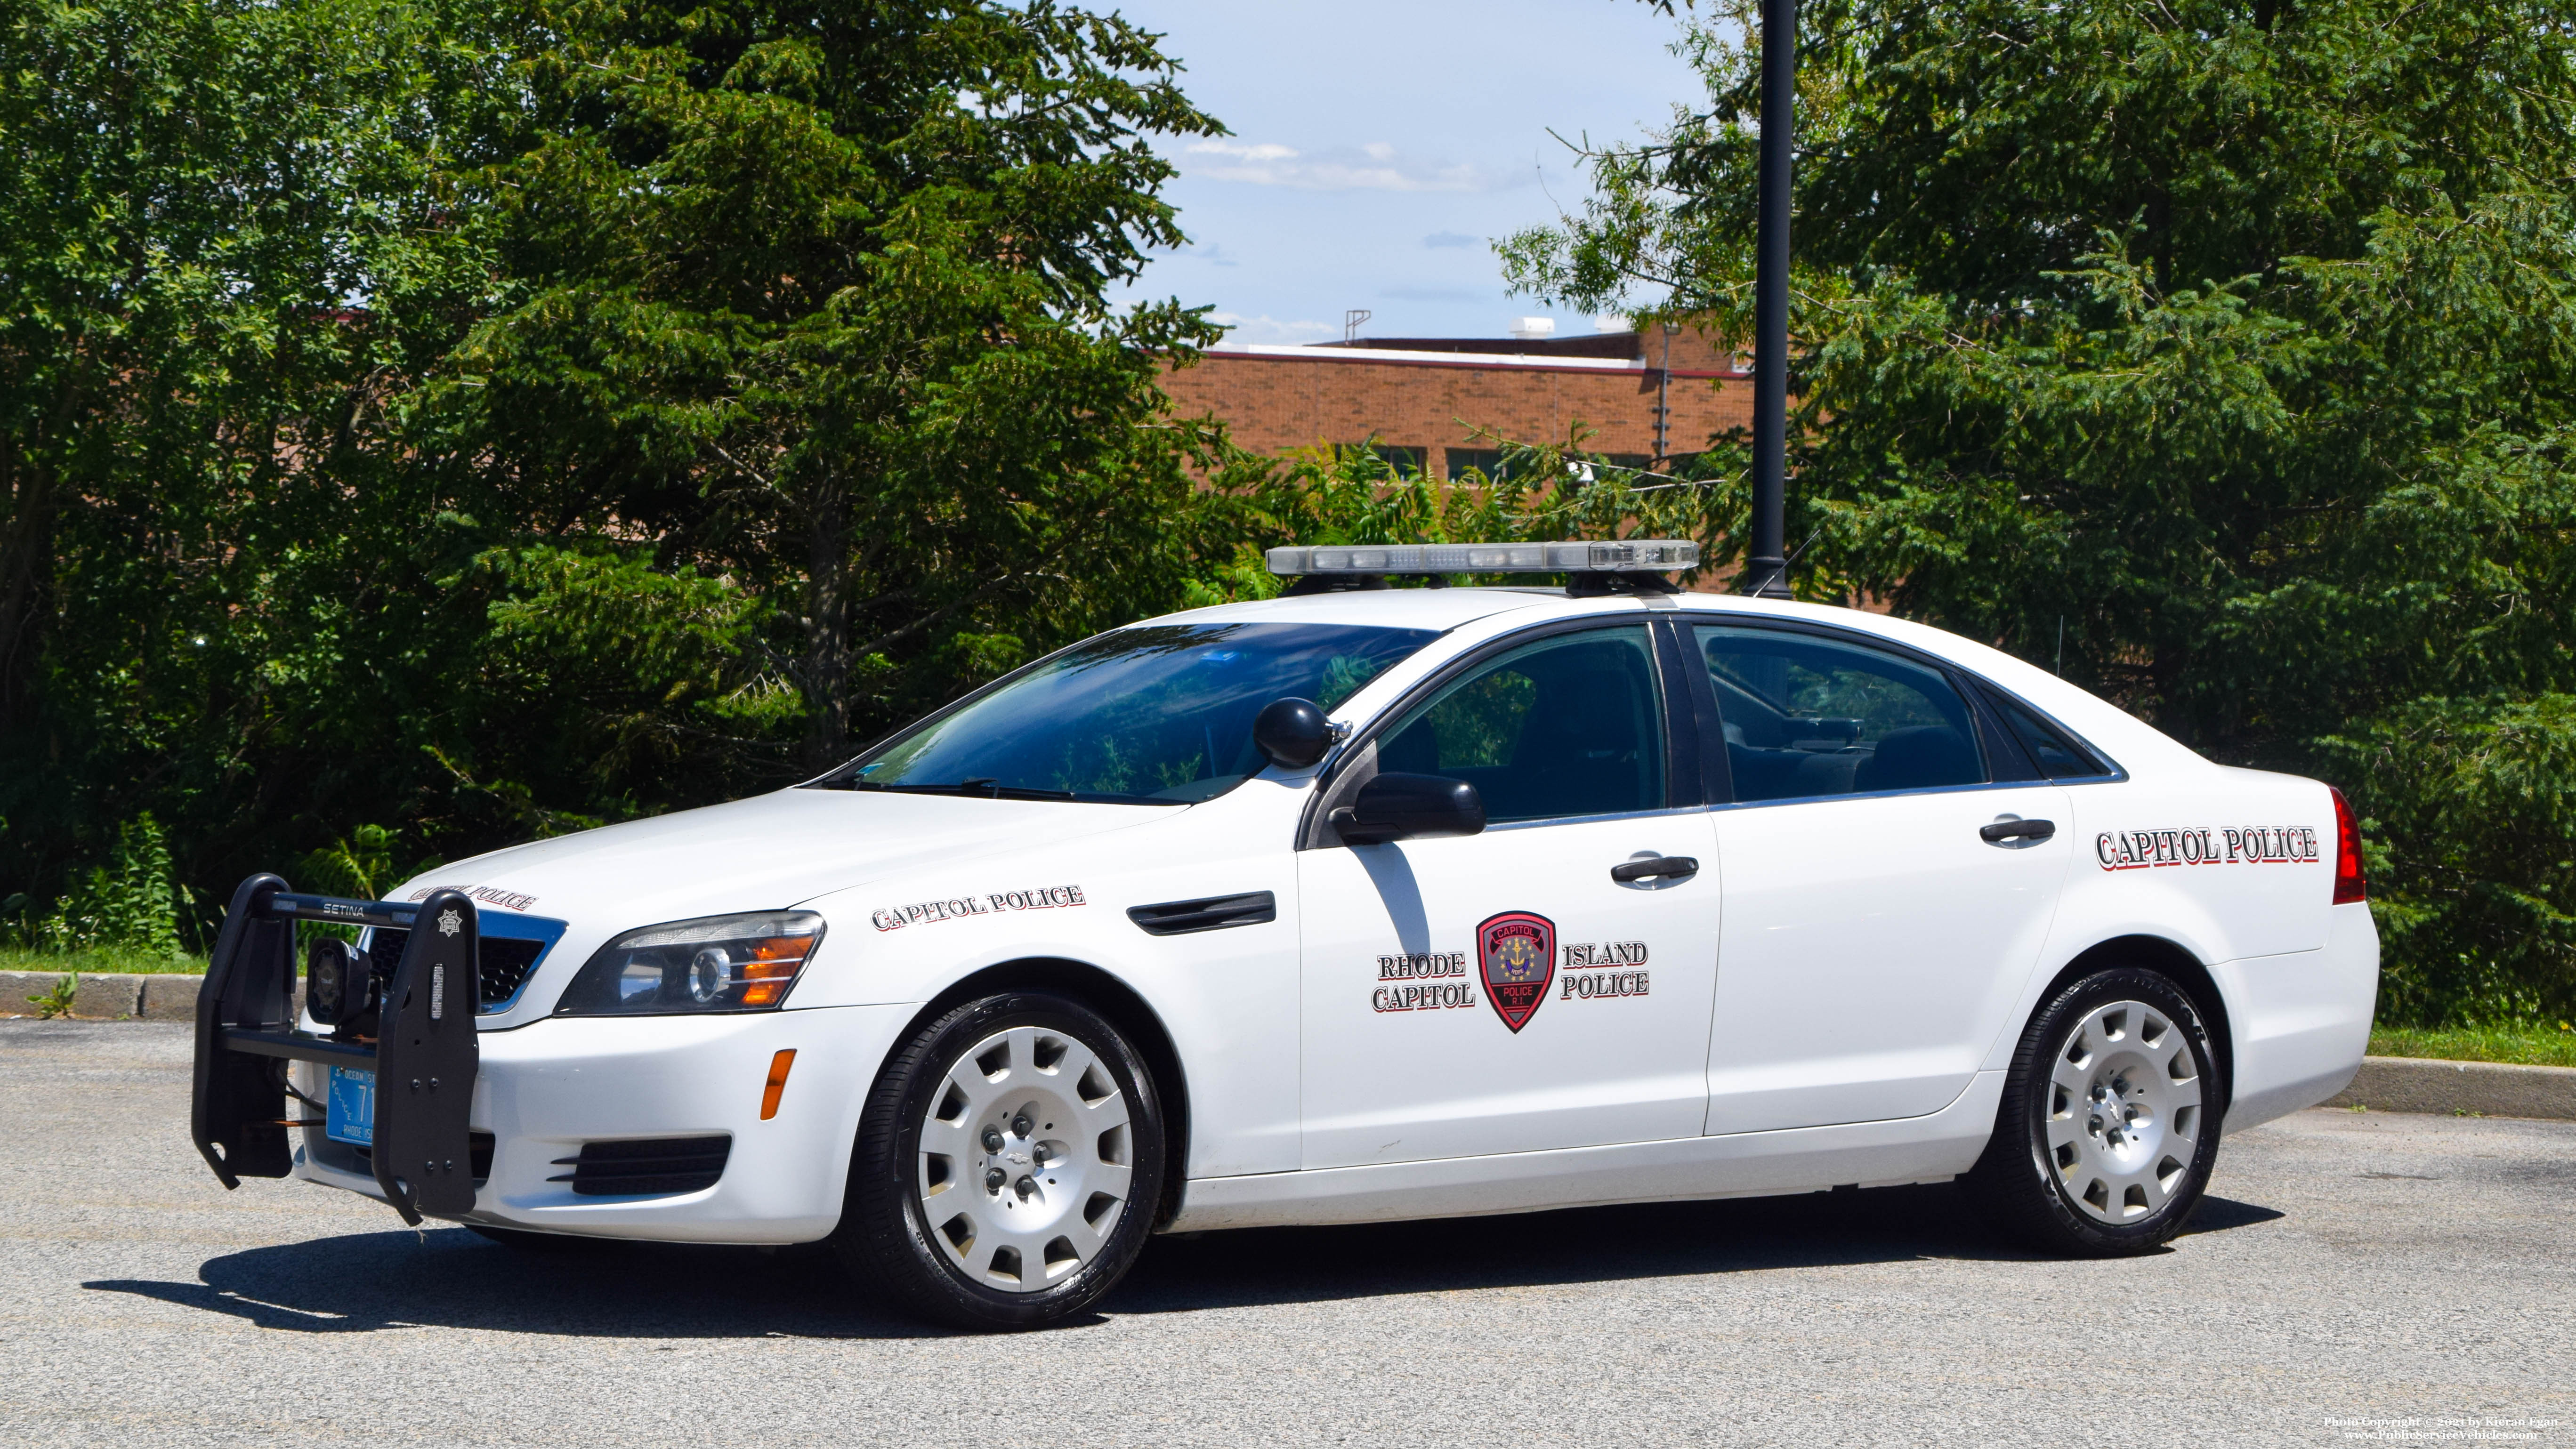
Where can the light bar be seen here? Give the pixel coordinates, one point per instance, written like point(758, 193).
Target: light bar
point(1634, 555)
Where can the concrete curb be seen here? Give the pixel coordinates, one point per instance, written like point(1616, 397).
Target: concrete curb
point(103, 995)
point(2484, 1089)
point(108, 995)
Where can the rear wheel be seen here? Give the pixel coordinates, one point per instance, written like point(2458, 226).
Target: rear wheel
point(2109, 1123)
point(1007, 1165)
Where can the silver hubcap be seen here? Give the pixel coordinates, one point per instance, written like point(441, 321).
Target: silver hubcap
point(1025, 1158)
point(2124, 1111)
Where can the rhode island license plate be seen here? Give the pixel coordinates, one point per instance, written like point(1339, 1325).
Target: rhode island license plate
point(352, 1113)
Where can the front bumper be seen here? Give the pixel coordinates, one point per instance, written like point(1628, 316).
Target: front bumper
point(545, 1089)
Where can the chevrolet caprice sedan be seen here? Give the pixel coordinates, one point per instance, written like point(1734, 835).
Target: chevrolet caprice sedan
point(1358, 904)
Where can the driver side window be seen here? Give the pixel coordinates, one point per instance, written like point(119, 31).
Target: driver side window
point(1570, 725)
point(1807, 716)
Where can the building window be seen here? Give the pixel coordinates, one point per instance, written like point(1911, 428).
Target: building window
point(1488, 461)
point(1405, 462)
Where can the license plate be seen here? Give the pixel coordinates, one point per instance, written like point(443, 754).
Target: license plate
point(352, 1107)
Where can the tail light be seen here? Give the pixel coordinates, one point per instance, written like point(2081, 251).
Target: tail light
point(2350, 886)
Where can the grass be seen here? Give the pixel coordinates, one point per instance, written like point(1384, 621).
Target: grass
point(2550, 1046)
point(102, 962)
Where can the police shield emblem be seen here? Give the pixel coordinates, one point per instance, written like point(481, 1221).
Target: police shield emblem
point(1516, 953)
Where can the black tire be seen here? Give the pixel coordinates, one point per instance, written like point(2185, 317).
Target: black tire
point(888, 1238)
point(2074, 1197)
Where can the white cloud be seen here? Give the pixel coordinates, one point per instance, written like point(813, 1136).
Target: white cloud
point(1374, 167)
point(1271, 329)
point(1448, 239)
point(1266, 151)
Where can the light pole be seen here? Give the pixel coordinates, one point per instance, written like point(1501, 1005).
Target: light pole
point(1766, 571)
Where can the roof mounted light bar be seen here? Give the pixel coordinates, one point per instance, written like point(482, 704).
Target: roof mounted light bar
point(1624, 556)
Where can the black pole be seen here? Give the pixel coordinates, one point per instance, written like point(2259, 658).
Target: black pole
point(1766, 572)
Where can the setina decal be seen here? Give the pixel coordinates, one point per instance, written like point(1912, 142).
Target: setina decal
point(2252, 845)
point(958, 908)
point(1516, 954)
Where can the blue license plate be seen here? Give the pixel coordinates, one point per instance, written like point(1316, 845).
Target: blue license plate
point(352, 1113)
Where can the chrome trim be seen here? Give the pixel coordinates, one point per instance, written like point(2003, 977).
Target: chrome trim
point(2042, 783)
point(1590, 819)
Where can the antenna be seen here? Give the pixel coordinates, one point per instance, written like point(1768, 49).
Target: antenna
point(1351, 321)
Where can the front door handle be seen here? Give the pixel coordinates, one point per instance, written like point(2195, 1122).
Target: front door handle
point(2003, 830)
point(1672, 866)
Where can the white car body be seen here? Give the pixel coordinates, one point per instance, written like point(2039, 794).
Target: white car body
point(1834, 999)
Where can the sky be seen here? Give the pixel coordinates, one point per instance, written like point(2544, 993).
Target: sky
point(1379, 148)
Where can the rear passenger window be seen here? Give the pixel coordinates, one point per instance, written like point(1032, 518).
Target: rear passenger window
point(1807, 716)
point(2058, 755)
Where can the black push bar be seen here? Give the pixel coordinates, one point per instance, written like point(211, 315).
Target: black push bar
point(423, 1054)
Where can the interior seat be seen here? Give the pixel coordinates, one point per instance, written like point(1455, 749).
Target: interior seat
point(1919, 757)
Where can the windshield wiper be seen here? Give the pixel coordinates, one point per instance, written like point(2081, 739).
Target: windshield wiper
point(986, 788)
point(982, 788)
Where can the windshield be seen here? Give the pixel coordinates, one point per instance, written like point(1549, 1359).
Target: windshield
point(1155, 715)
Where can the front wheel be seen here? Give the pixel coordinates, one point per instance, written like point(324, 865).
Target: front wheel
point(1007, 1166)
point(2109, 1123)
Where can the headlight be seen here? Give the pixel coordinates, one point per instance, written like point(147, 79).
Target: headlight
point(717, 963)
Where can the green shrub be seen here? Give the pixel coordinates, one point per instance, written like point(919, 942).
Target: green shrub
point(129, 902)
point(2470, 819)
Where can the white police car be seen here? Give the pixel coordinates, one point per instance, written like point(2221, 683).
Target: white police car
point(1358, 904)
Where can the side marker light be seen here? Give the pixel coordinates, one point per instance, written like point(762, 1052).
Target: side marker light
point(770, 1094)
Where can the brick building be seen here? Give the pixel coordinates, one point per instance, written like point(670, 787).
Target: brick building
point(1425, 401)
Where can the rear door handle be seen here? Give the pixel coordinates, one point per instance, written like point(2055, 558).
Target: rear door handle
point(2003, 830)
point(1672, 866)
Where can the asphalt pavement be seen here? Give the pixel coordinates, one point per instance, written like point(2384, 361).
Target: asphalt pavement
point(2353, 1277)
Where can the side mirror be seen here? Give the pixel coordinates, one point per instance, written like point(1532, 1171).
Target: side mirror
point(1397, 806)
point(1291, 733)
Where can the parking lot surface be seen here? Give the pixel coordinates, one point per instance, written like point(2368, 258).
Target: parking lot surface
point(2354, 1277)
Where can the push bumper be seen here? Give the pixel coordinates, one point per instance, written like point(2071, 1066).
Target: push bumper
point(423, 1055)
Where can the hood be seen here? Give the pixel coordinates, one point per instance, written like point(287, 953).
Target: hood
point(767, 852)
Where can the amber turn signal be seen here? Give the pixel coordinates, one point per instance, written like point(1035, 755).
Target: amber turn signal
point(772, 969)
point(770, 1094)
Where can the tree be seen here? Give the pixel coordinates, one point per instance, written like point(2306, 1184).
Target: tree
point(219, 248)
point(433, 423)
point(2229, 339)
point(814, 298)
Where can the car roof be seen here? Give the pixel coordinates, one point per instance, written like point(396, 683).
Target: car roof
point(2126, 738)
point(1440, 609)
